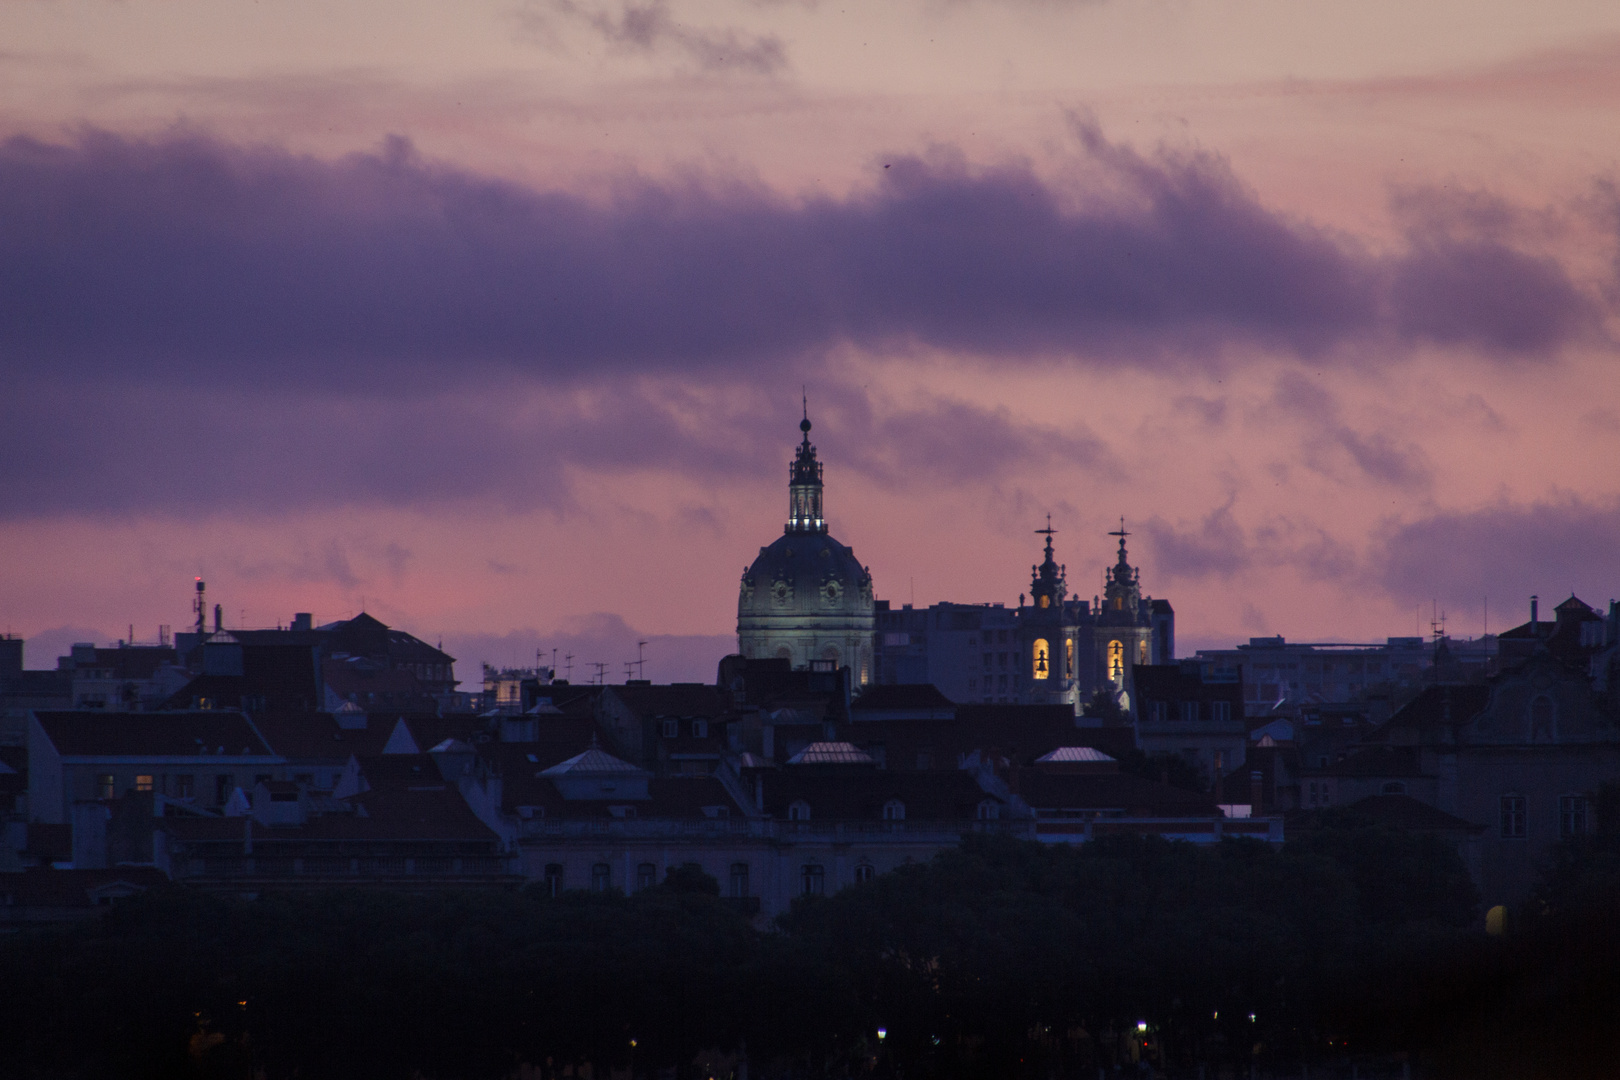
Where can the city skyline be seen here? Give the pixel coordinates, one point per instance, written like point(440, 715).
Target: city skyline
point(494, 322)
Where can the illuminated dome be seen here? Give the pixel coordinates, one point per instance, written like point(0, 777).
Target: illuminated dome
point(807, 598)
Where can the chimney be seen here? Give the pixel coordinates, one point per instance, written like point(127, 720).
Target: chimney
point(1534, 629)
point(1257, 791)
point(303, 621)
point(219, 618)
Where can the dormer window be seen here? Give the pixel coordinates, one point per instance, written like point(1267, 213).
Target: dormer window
point(799, 811)
point(672, 729)
point(894, 810)
point(700, 729)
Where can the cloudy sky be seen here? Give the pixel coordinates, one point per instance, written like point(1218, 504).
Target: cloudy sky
point(492, 318)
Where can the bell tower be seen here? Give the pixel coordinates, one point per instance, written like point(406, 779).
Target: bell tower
point(804, 486)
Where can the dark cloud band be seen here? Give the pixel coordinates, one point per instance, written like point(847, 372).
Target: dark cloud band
point(189, 258)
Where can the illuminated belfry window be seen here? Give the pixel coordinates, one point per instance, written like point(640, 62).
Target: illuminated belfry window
point(1116, 660)
point(1043, 661)
point(1068, 656)
point(804, 488)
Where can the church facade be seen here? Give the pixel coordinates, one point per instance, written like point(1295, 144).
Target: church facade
point(806, 598)
point(1053, 649)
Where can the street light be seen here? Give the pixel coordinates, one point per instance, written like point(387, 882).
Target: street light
point(883, 1033)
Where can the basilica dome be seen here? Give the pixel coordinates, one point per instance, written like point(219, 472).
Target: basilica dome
point(806, 598)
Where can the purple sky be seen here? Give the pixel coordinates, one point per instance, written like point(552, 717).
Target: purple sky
point(493, 322)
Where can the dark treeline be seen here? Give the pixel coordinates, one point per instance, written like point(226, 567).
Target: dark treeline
point(998, 959)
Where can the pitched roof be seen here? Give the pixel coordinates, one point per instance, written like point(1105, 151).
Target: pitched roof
point(1405, 812)
point(151, 734)
point(595, 760)
point(1074, 754)
point(831, 753)
point(902, 697)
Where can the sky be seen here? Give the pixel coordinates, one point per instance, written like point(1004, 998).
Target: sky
point(493, 319)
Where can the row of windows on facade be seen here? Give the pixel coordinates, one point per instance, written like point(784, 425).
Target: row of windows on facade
point(1515, 818)
point(672, 729)
point(812, 878)
point(1189, 711)
point(184, 785)
point(894, 810)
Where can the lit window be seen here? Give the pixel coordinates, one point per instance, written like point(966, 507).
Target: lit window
point(812, 880)
point(1116, 660)
point(1513, 823)
point(1571, 815)
point(894, 810)
point(1043, 665)
point(1068, 657)
point(799, 811)
point(143, 782)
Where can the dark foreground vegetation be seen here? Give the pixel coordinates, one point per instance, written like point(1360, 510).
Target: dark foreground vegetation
point(1352, 945)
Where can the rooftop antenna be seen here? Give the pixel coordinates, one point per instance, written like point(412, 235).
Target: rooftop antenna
point(569, 658)
point(601, 671)
point(200, 606)
point(641, 661)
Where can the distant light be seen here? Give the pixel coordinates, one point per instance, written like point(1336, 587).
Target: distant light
point(883, 1033)
point(1496, 920)
point(1217, 1015)
point(1251, 1018)
point(1141, 1025)
point(632, 1044)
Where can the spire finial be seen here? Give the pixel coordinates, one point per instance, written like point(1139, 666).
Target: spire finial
point(804, 425)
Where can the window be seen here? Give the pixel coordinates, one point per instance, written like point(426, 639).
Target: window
point(185, 786)
point(106, 785)
point(1394, 787)
point(1068, 657)
point(986, 659)
point(1116, 660)
point(1042, 653)
point(1001, 661)
point(989, 810)
point(739, 879)
point(812, 880)
point(863, 873)
point(222, 787)
point(601, 877)
point(1189, 711)
point(1513, 815)
point(672, 729)
point(1571, 815)
point(554, 879)
point(1220, 711)
point(973, 684)
point(646, 876)
point(700, 729)
point(143, 782)
point(799, 811)
point(1159, 711)
point(894, 810)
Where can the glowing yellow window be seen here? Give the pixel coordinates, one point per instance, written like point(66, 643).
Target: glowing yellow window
point(1068, 656)
point(143, 782)
point(1116, 660)
point(1044, 601)
point(1043, 664)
